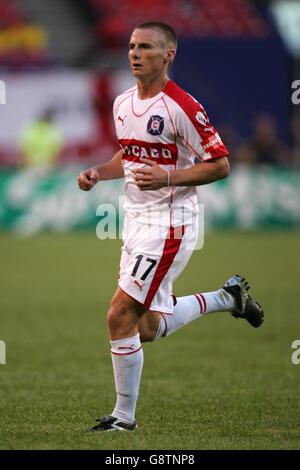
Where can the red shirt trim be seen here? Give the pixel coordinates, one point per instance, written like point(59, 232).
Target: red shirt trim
point(210, 141)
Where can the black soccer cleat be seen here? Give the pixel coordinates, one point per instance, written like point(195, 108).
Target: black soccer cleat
point(245, 307)
point(110, 423)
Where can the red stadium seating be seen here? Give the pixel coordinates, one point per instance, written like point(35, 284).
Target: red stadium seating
point(225, 18)
point(10, 14)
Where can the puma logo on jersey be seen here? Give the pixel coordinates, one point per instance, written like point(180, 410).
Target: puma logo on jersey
point(140, 285)
point(122, 120)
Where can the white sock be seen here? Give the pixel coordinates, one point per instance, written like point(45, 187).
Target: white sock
point(127, 358)
point(191, 307)
point(216, 301)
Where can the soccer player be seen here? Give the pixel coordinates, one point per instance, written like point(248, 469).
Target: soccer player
point(161, 129)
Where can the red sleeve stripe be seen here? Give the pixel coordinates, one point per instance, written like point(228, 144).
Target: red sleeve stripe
point(204, 302)
point(187, 104)
point(200, 303)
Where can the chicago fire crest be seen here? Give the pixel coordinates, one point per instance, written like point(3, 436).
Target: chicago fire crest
point(155, 125)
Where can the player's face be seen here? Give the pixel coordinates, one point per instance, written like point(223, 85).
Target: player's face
point(147, 53)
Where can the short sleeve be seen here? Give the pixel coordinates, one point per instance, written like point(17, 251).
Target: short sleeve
point(194, 127)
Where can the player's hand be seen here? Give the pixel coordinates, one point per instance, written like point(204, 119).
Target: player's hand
point(153, 177)
point(87, 179)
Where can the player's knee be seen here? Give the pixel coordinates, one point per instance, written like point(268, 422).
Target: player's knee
point(146, 335)
point(123, 315)
point(147, 332)
point(148, 327)
point(115, 316)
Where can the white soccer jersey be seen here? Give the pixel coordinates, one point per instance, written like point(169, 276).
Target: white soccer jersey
point(171, 129)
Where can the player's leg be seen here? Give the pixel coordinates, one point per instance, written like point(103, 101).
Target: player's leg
point(141, 255)
point(127, 359)
point(165, 315)
point(154, 325)
point(126, 352)
point(191, 307)
point(236, 301)
point(148, 325)
point(233, 297)
point(123, 315)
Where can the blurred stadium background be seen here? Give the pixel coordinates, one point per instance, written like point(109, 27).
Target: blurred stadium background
point(62, 62)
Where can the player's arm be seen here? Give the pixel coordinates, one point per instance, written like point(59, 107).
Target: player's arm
point(108, 171)
point(197, 133)
point(155, 177)
point(202, 173)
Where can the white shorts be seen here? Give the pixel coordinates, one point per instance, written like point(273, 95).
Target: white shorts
point(152, 258)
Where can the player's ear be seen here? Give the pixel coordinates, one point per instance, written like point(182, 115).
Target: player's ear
point(166, 58)
point(170, 54)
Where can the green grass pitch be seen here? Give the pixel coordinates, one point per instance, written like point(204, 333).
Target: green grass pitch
point(216, 384)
